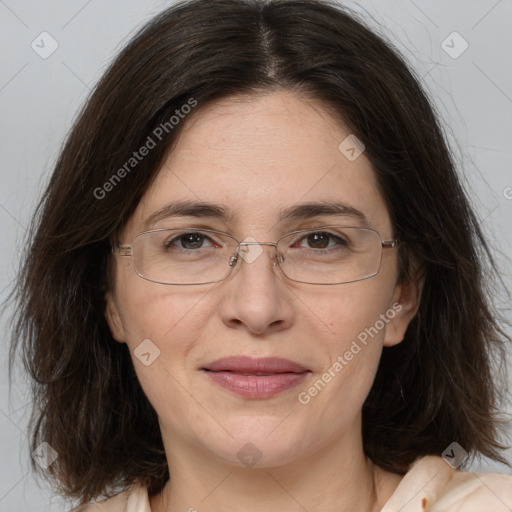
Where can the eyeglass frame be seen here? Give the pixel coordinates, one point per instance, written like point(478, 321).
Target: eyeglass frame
point(127, 250)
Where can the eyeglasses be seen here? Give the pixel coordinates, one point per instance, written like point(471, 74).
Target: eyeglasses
point(189, 256)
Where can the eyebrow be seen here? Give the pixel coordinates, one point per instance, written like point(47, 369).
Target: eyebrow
point(301, 211)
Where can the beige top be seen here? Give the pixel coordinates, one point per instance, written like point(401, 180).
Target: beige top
point(430, 485)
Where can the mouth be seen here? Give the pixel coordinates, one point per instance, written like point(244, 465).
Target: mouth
point(256, 378)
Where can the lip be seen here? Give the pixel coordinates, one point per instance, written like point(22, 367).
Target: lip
point(256, 377)
point(253, 365)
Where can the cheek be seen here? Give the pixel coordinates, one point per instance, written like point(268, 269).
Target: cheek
point(350, 310)
point(156, 311)
point(162, 326)
point(358, 314)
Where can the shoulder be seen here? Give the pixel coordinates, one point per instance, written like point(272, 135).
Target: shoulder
point(133, 499)
point(433, 485)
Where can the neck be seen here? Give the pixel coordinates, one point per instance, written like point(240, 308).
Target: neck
point(335, 478)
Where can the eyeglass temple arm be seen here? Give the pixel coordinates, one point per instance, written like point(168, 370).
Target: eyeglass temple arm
point(390, 244)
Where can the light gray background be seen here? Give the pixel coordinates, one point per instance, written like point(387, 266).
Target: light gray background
point(39, 98)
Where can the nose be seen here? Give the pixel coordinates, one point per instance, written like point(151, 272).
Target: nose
point(257, 298)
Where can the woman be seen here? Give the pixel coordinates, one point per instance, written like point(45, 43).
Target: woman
point(255, 281)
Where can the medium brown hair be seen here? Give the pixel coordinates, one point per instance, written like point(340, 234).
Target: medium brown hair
point(434, 388)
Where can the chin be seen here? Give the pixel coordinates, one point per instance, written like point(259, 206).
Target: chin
point(253, 441)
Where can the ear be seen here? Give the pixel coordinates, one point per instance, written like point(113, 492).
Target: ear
point(114, 318)
point(405, 304)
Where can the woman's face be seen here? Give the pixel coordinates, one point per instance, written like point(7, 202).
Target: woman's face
point(257, 156)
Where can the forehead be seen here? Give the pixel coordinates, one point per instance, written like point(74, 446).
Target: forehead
point(260, 155)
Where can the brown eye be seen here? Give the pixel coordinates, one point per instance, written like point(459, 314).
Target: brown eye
point(187, 241)
point(318, 240)
point(191, 240)
point(321, 240)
